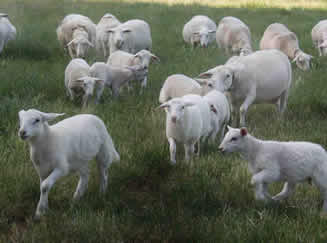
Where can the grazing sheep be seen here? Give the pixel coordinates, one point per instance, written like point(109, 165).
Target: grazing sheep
point(131, 36)
point(234, 36)
point(319, 37)
point(278, 36)
point(143, 57)
point(178, 85)
point(66, 147)
point(77, 33)
point(261, 77)
point(199, 30)
point(183, 125)
point(273, 161)
point(78, 81)
point(116, 77)
point(102, 37)
point(7, 31)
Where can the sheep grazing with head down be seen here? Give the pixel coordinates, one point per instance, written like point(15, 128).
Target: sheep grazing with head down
point(65, 147)
point(273, 161)
point(7, 31)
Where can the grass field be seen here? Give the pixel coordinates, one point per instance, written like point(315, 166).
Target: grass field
point(148, 199)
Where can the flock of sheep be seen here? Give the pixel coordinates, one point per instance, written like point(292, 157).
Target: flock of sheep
point(197, 109)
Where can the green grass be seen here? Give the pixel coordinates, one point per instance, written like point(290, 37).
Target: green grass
point(148, 199)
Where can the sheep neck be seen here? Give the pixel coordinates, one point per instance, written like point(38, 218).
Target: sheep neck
point(251, 148)
point(39, 141)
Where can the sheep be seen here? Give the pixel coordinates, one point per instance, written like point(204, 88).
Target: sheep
point(143, 57)
point(319, 37)
point(261, 77)
point(273, 161)
point(220, 113)
point(115, 77)
point(278, 36)
point(199, 30)
point(102, 38)
point(183, 124)
point(77, 33)
point(66, 147)
point(131, 36)
point(7, 31)
point(178, 85)
point(78, 81)
point(234, 36)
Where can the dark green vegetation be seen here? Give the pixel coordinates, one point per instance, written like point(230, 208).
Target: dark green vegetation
point(148, 199)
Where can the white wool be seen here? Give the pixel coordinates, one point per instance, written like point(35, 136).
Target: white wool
point(319, 37)
point(7, 31)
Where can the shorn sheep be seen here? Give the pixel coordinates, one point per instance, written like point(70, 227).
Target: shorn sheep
point(319, 37)
point(273, 161)
point(7, 31)
point(65, 147)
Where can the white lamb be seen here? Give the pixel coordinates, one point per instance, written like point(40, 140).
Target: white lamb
point(115, 77)
point(66, 147)
point(273, 161)
point(143, 57)
point(78, 81)
point(131, 36)
point(77, 33)
point(7, 31)
point(199, 30)
point(234, 36)
point(261, 77)
point(102, 36)
point(319, 37)
point(278, 36)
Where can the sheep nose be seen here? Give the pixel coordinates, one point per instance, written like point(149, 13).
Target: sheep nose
point(22, 134)
point(174, 119)
point(221, 149)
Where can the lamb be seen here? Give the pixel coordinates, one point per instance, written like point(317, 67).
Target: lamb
point(78, 81)
point(131, 36)
point(66, 147)
point(234, 36)
point(319, 37)
point(273, 161)
point(143, 57)
point(7, 31)
point(261, 77)
point(77, 33)
point(278, 36)
point(116, 77)
point(102, 37)
point(178, 85)
point(199, 30)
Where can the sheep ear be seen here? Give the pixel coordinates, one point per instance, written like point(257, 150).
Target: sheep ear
point(229, 127)
point(50, 116)
point(71, 42)
point(155, 58)
point(3, 15)
point(21, 112)
point(127, 30)
point(212, 31)
point(201, 81)
point(188, 103)
point(205, 75)
point(243, 131)
point(164, 105)
point(110, 30)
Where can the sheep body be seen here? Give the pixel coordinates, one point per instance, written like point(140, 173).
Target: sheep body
point(7, 31)
point(319, 37)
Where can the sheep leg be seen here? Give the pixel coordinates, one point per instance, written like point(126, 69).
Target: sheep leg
point(71, 94)
point(172, 149)
point(288, 189)
point(104, 159)
point(2, 44)
point(85, 101)
point(213, 136)
point(189, 151)
point(244, 107)
point(71, 52)
point(99, 93)
point(82, 183)
point(45, 187)
point(283, 102)
point(261, 181)
point(143, 84)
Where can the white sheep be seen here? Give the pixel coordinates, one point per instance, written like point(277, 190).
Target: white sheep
point(220, 113)
point(234, 36)
point(102, 37)
point(77, 33)
point(115, 77)
point(319, 37)
point(143, 57)
point(178, 85)
point(65, 147)
point(7, 31)
point(78, 81)
point(131, 36)
point(273, 161)
point(260, 77)
point(183, 125)
point(278, 36)
point(199, 30)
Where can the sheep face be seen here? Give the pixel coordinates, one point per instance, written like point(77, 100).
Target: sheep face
point(221, 78)
point(117, 37)
point(303, 61)
point(202, 37)
point(146, 57)
point(139, 71)
point(175, 109)
point(233, 140)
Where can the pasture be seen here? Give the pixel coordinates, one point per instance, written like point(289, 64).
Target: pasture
point(148, 199)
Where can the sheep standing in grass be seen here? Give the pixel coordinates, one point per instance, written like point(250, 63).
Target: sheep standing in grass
point(78, 81)
point(7, 31)
point(273, 161)
point(66, 147)
point(77, 33)
point(234, 36)
point(200, 30)
point(102, 36)
point(278, 36)
point(319, 37)
point(143, 57)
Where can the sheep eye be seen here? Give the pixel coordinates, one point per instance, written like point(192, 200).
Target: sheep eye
point(36, 120)
point(234, 139)
point(210, 85)
point(227, 76)
point(183, 107)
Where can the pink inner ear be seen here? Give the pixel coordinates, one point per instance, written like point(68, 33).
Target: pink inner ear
point(244, 132)
point(213, 109)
